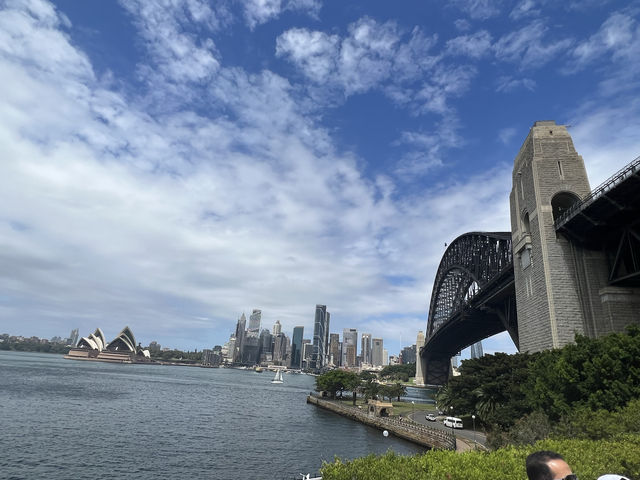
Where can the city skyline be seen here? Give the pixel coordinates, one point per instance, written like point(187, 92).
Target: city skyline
point(168, 164)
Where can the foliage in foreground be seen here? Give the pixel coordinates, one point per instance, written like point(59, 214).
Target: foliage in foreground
point(592, 374)
point(588, 458)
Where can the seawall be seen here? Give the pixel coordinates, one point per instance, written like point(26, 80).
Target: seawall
point(419, 434)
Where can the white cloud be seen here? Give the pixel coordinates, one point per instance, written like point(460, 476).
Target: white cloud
point(258, 12)
point(506, 134)
point(529, 47)
point(179, 56)
point(475, 46)
point(525, 8)
point(479, 9)
point(618, 36)
point(315, 53)
point(372, 55)
point(509, 84)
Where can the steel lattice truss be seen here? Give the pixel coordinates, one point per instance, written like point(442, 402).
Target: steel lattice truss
point(467, 269)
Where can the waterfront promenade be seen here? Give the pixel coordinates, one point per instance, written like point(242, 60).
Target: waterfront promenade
point(401, 427)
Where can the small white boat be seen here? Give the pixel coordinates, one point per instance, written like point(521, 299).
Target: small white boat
point(278, 377)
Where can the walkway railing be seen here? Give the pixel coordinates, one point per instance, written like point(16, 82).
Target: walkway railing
point(405, 428)
point(602, 189)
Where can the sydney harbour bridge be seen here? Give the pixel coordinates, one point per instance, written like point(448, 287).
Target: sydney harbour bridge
point(570, 264)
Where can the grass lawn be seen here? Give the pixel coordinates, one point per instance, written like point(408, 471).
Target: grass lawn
point(399, 408)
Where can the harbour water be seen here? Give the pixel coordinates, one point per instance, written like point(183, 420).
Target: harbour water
point(71, 419)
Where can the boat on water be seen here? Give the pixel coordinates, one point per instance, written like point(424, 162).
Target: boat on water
point(278, 377)
point(258, 369)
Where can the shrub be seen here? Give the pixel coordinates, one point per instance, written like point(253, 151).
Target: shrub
point(588, 458)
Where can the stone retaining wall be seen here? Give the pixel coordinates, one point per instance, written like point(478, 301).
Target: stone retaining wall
point(414, 432)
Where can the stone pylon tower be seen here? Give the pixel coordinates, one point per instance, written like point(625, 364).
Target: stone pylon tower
point(419, 380)
point(548, 177)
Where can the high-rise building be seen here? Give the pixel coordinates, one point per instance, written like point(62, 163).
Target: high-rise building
point(277, 328)
point(320, 338)
point(385, 357)
point(377, 359)
point(349, 338)
point(408, 354)
point(334, 349)
point(266, 346)
point(296, 347)
point(476, 350)
point(250, 349)
point(365, 350)
point(73, 337)
point(279, 348)
point(419, 363)
point(326, 341)
point(307, 352)
point(240, 334)
point(351, 356)
point(254, 321)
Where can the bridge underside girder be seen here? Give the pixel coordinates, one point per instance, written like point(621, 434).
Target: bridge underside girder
point(477, 321)
point(609, 220)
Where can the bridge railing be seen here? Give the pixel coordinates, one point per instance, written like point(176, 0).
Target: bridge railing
point(615, 179)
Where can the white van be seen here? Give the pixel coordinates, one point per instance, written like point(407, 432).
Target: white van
point(453, 422)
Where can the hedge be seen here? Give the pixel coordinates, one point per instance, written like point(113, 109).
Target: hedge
point(588, 458)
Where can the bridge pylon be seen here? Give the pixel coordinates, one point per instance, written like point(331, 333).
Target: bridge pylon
point(559, 285)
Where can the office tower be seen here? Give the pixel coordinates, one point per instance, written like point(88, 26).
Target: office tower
point(349, 338)
point(254, 321)
point(277, 328)
point(266, 347)
point(419, 363)
point(377, 352)
point(385, 357)
point(408, 354)
point(334, 349)
point(250, 348)
point(365, 351)
point(240, 334)
point(350, 357)
point(320, 338)
point(476, 350)
point(73, 337)
point(326, 341)
point(296, 347)
point(280, 342)
point(307, 353)
point(231, 349)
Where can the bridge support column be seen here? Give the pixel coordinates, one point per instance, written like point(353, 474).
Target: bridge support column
point(548, 177)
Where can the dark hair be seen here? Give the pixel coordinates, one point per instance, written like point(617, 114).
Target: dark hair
point(537, 468)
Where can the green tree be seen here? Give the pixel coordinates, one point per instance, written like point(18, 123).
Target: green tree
point(336, 381)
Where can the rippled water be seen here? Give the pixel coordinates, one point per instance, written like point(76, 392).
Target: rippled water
point(71, 419)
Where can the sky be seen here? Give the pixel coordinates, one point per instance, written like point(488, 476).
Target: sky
point(171, 164)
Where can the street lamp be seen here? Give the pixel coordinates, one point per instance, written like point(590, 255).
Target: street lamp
point(451, 408)
point(473, 417)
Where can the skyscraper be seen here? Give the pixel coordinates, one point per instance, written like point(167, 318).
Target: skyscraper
point(240, 334)
point(277, 328)
point(366, 348)
point(334, 349)
point(476, 350)
point(320, 338)
point(377, 359)
point(296, 347)
point(254, 321)
point(349, 337)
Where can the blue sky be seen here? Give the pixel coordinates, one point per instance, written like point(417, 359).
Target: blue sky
point(169, 165)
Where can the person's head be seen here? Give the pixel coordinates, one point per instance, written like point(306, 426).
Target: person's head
point(547, 465)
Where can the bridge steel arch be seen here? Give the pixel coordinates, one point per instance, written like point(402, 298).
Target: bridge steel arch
point(473, 298)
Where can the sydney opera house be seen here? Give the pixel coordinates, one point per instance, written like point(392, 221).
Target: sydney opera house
point(121, 349)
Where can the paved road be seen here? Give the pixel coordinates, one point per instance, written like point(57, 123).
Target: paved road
point(480, 437)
